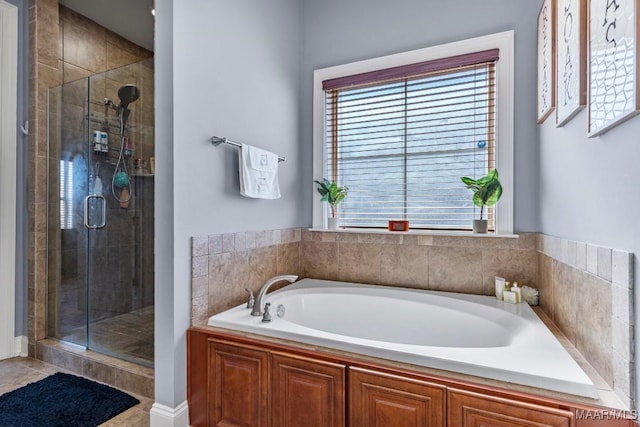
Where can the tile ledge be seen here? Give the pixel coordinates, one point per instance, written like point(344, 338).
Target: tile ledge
point(446, 233)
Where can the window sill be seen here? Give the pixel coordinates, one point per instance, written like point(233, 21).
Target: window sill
point(415, 232)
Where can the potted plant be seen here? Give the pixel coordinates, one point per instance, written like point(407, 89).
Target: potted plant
point(333, 194)
point(486, 192)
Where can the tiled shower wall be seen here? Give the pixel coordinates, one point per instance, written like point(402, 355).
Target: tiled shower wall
point(63, 46)
point(585, 289)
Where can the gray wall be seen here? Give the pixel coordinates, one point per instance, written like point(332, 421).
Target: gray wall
point(22, 172)
point(342, 31)
point(237, 71)
point(229, 69)
point(243, 70)
point(588, 188)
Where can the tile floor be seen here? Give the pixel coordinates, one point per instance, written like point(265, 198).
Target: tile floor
point(128, 335)
point(19, 371)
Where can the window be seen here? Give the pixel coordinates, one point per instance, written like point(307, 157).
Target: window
point(402, 144)
point(400, 131)
point(66, 195)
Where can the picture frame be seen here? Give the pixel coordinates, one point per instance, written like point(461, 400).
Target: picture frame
point(571, 59)
point(613, 71)
point(546, 60)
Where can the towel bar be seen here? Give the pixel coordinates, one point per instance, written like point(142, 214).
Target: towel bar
point(217, 141)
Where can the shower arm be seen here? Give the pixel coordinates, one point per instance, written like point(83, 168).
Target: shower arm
point(110, 103)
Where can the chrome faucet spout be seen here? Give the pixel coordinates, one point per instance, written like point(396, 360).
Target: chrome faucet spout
point(258, 305)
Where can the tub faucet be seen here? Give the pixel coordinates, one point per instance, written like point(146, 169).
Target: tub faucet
point(257, 306)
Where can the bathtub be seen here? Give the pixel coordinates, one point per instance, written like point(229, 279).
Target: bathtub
point(469, 334)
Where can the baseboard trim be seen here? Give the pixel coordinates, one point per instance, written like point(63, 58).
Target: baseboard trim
point(21, 346)
point(165, 416)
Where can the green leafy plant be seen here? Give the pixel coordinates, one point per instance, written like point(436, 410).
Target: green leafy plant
point(486, 190)
point(331, 193)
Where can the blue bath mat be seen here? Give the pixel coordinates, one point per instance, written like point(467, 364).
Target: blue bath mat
point(62, 400)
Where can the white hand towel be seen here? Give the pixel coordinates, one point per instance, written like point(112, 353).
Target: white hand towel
point(258, 173)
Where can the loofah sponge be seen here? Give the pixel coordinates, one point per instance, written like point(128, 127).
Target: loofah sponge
point(121, 179)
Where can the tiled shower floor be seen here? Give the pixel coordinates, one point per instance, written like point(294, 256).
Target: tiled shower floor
point(129, 336)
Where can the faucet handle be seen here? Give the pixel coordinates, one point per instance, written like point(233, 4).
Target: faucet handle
point(251, 300)
point(266, 316)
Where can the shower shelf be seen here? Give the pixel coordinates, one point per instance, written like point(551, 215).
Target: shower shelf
point(111, 121)
point(109, 163)
point(133, 174)
point(116, 149)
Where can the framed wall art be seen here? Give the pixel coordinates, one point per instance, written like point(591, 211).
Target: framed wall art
point(571, 59)
point(546, 59)
point(613, 70)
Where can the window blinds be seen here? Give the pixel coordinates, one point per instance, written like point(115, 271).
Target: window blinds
point(401, 138)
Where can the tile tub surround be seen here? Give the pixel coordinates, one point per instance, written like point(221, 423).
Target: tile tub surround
point(465, 263)
point(223, 265)
point(587, 291)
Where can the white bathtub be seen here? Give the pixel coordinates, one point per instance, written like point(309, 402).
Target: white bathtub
point(470, 334)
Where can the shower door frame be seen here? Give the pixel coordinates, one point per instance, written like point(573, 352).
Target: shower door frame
point(10, 345)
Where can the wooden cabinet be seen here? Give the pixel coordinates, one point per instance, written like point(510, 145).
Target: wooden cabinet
point(238, 381)
point(385, 400)
point(238, 385)
point(306, 392)
point(469, 409)
point(253, 387)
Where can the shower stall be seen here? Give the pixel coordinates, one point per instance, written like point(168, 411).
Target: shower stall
point(100, 276)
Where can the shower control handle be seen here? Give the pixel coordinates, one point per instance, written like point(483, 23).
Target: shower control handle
point(103, 209)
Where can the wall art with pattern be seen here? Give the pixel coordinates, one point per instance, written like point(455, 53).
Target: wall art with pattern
point(546, 60)
point(613, 70)
point(571, 59)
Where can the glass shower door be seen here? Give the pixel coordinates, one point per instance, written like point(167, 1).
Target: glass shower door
point(109, 267)
point(100, 214)
point(67, 236)
point(76, 229)
point(120, 272)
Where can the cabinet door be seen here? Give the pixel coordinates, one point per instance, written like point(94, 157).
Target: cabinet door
point(383, 400)
point(306, 392)
point(468, 409)
point(238, 385)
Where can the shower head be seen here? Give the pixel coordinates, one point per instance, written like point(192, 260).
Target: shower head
point(127, 95)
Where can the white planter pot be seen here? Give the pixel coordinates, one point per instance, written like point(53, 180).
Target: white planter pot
point(480, 226)
point(333, 223)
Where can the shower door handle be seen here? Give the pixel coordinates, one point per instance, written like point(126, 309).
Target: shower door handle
point(103, 209)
